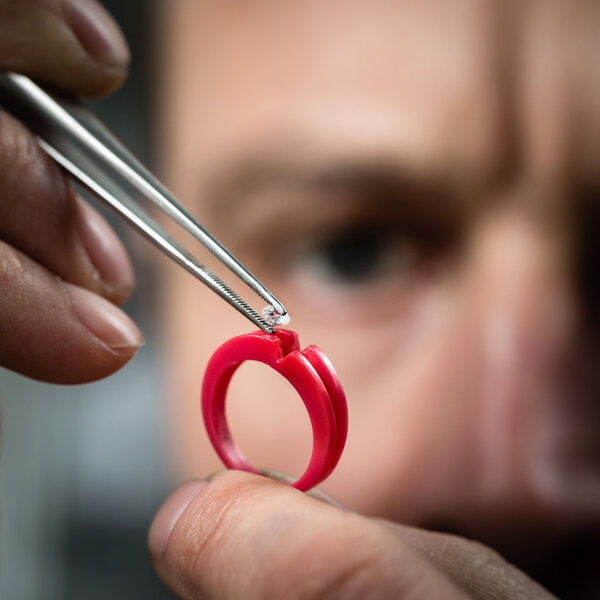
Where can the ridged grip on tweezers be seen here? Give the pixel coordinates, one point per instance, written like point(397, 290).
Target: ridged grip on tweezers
point(76, 140)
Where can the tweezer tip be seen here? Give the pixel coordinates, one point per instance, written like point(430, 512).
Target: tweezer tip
point(274, 317)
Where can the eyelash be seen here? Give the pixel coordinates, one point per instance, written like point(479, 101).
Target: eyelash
point(353, 256)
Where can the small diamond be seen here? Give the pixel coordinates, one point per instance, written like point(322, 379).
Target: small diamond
point(272, 317)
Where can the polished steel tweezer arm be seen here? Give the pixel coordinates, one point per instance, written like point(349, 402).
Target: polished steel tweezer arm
point(77, 141)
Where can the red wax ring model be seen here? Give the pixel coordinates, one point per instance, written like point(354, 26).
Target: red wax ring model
point(312, 375)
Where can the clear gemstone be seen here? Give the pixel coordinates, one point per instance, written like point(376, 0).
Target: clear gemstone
point(272, 317)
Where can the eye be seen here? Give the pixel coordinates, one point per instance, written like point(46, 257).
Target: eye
point(355, 256)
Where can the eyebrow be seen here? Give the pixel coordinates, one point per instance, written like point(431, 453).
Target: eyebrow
point(383, 181)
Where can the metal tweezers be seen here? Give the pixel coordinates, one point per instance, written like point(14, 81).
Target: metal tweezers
point(78, 141)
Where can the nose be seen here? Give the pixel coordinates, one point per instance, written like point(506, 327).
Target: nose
point(534, 398)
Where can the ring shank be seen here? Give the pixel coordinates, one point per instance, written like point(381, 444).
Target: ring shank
point(308, 371)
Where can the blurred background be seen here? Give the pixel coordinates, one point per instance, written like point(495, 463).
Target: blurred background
point(82, 469)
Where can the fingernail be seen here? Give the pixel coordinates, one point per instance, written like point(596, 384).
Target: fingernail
point(103, 319)
point(97, 32)
point(169, 514)
point(106, 251)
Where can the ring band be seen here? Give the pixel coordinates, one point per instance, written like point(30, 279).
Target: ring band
point(311, 374)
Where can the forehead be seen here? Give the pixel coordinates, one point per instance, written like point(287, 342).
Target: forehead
point(460, 87)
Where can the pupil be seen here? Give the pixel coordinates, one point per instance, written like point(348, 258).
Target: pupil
point(355, 255)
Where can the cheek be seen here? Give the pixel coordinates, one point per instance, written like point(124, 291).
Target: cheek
point(394, 373)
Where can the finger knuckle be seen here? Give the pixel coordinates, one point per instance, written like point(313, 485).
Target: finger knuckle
point(18, 148)
point(12, 267)
point(25, 169)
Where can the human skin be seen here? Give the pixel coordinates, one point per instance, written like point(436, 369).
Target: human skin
point(464, 135)
point(486, 335)
point(62, 270)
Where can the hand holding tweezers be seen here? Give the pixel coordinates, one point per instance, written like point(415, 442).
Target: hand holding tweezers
point(78, 142)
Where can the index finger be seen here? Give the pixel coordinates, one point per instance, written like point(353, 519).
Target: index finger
point(71, 44)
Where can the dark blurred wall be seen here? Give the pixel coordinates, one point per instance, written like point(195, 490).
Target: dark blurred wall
point(129, 112)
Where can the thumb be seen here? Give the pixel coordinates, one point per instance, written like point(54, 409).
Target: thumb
point(245, 536)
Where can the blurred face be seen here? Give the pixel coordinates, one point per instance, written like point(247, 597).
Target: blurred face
point(418, 182)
